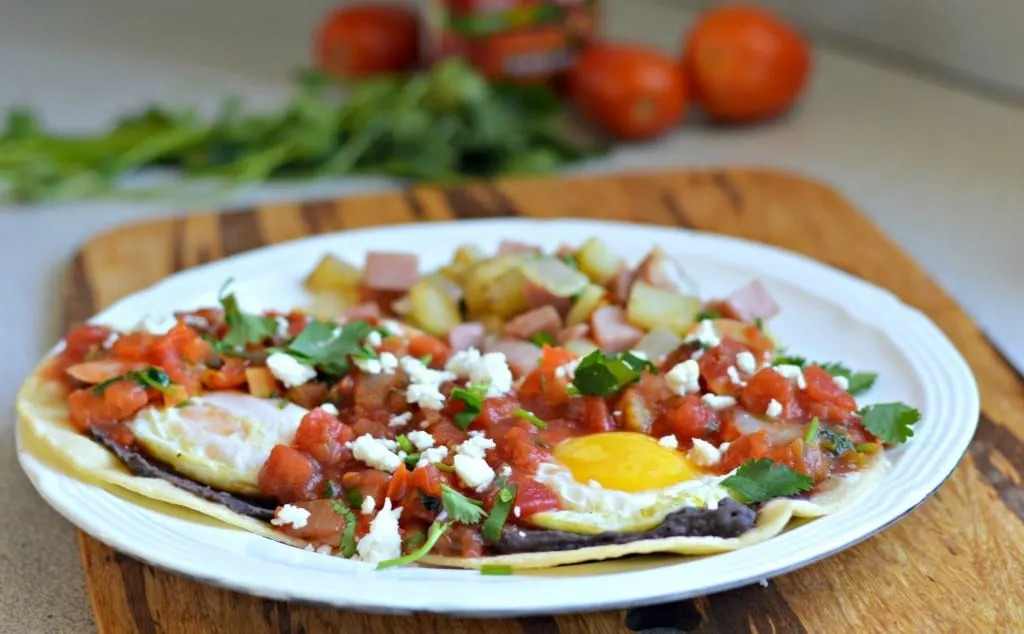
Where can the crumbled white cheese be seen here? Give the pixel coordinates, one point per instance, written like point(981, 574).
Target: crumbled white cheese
point(704, 334)
point(424, 383)
point(704, 454)
point(383, 541)
point(475, 446)
point(734, 376)
point(424, 395)
point(684, 378)
point(288, 370)
point(746, 362)
point(774, 409)
point(111, 339)
point(374, 339)
point(330, 408)
point(368, 506)
point(400, 420)
point(158, 324)
point(792, 372)
point(367, 365)
point(420, 439)
point(670, 442)
point(375, 453)
point(288, 514)
point(505, 470)
point(489, 369)
point(518, 512)
point(392, 327)
point(639, 354)
point(324, 549)
point(475, 473)
point(716, 402)
point(567, 370)
point(432, 455)
point(842, 382)
point(282, 326)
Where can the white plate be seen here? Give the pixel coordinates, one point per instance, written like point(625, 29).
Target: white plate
point(827, 315)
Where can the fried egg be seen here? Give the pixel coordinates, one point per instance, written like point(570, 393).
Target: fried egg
point(621, 481)
point(220, 439)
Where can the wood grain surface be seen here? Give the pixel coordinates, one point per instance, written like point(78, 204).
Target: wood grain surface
point(956, 564)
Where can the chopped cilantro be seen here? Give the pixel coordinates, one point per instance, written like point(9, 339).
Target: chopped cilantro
point(835, 442)
point(707, 314)
point(348, 536)
point(461, 508)
point(148, 377)
point(411, 459)
point(495, 569)
point(436, 530)
point(789, 360)
point(763, 479)
point(600, 374)
point(327, 346)
point(812, 430)
point(506, 497)
point(354, 497)
point(243, 328)
point(542, 338)
point(330, 489)
point(426, 359)
point(858, 381)
point(890, 422)
point(759, 323)
point(404, 444)
point(530, 417)
point(473, 397)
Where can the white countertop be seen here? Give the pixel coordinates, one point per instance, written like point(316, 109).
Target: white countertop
point(942, 171)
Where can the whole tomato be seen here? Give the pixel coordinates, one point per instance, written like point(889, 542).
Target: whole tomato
point(361, 40)
point(744, 64)
point(631, 91)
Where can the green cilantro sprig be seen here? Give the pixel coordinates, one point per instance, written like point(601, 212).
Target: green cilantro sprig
point(243, 328)
point(541, 338)
point(348, 535)
point(473, 397)
point(764, 479)
point(148, 377)
point(892, 423)
point(437, 529)
point(461, 508)
point(327, 346)
point(600, 374)
point(858, 382)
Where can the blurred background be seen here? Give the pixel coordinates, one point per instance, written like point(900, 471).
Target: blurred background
point(116, 111)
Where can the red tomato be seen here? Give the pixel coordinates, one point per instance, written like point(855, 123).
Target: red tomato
point(690, 419)
point(288, 475)
point(764, 386)
point(750, 447)
point(363, 40)
point(824, 399)
point(229, 376)
point(426, 345)
point(596, 416)
point(533, 497)
point(519, 447)
point(132, 346)
point(323, 436)
point(714, 365)
point(118, 402)
point(744, 64)
point(398, 484)
point(631, 91)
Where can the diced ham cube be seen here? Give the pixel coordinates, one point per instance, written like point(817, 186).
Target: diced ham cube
point(390, 271)
point(565, 249)
point(467, 335)
point(612, 333)
point(571, 333)
point(367, 311)
point(511, 247)
point(662, 271)
point(749, 303)
point(521, 356)
point(544, 319)
point(619, 286)
point(538, 296)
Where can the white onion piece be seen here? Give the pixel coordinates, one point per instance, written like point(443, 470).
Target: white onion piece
point(658, 344)
point(779, 432)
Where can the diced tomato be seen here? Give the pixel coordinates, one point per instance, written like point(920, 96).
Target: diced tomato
point(398, 484)
point(324, 524)
point(229, 376)
point(375, 428)
point(446, 433)
point(824, 399)
point(519, 447)
point(750, 447)
point(688, 420)
point(372, 390)
point(553, 357)
point(596, 415)
point(118, 402)
point(533, 497)
point(178, 352)
point(714, 365)
point(323, 437)
point(423, 345)
point(288, 475)
point(79, 343)
point(764, 386)
point(799, 456)
point(460, 541)
point(368, 482)
point(426, 479)
point(394, 345)
point(495, 411)
point(543, 386)
point(133, 346)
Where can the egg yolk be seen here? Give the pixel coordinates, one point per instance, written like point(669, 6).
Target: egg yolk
point(624, 461)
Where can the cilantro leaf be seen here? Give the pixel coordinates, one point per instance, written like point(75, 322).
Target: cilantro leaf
point(436, 530)
point(708, 314)
point(763, 479)
point(784, 359)
point(459, 507)
point(541, 338)
point(836, 443)
point(348, 536)
point(327, 346)
point(858, 381)
point(473, 397)
point(890, 422)
point(148, 377)
point(491, 529)
point(530, 417)
point(244, 328)
point(600, 374)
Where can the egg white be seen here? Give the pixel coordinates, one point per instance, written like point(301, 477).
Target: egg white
point(220, 439)
point(590, 508)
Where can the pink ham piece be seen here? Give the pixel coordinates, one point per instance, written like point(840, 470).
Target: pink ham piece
point(571, 333)
point(619, 285)
point(612, 333)
point(537, 297)
point(749, 303)
point(544, 319)
point(512, 247)
point(390, 271)
point(466, 335)
point(367, 311)
point(521, 356)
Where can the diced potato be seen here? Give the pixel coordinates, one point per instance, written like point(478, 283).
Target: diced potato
point(650, 307)
point(636, 416)
point(658, 344)
point(433, 308)
point(507, 293)
point(483, 289)
point(598, 261)
point(555, 276)
point(492, 323)
point(589, 300)
point(261, 382)
point(467, 254)
point(328, 305)
point(580, 347)
point(333, 274)
point(463, 262)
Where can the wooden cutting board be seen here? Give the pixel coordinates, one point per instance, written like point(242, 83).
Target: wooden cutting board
point(955, 564)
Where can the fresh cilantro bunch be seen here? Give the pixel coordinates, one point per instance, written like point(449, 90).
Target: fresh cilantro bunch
point(600, 374)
